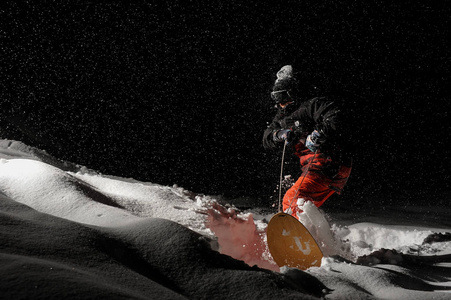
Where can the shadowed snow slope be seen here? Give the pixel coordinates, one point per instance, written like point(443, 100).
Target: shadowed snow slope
point(45, 256)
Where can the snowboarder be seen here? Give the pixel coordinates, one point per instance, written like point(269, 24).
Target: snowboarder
point(315, 130)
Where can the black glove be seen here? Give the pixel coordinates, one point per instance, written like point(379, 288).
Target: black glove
point(286, 135)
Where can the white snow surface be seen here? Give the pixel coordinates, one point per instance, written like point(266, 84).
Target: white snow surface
point(69, 232)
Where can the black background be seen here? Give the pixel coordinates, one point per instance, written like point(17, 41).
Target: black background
point(178, 92)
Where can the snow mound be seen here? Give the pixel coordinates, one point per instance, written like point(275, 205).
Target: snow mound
point(72, 233)
point(91, 198)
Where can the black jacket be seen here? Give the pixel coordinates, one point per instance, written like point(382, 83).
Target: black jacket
point(320, 113)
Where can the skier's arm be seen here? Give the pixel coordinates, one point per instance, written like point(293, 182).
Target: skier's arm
point(326, 118)
point(316, 115)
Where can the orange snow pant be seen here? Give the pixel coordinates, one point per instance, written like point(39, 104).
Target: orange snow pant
point(317, 183)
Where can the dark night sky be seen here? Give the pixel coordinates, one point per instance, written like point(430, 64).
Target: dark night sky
point(179, 93)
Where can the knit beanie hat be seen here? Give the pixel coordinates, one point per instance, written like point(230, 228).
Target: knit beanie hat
point(284, 86)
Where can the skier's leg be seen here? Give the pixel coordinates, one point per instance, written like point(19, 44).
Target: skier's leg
point(311, 187)
point(296, 192)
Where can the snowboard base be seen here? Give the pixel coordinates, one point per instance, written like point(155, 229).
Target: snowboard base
point(291, 244)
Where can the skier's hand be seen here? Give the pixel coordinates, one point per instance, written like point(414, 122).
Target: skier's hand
point(313, 141)
point(286, 135)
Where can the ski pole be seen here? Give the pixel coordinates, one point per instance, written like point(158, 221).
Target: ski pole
point(281, 175)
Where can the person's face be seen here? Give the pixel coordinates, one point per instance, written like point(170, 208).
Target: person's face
point(283, 105)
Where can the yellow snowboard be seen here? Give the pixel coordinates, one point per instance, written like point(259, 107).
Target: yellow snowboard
point(291, 244)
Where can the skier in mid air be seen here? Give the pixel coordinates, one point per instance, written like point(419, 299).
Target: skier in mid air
point(315, 129)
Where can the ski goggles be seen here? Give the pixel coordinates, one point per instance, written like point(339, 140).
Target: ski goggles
point(281, 96)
